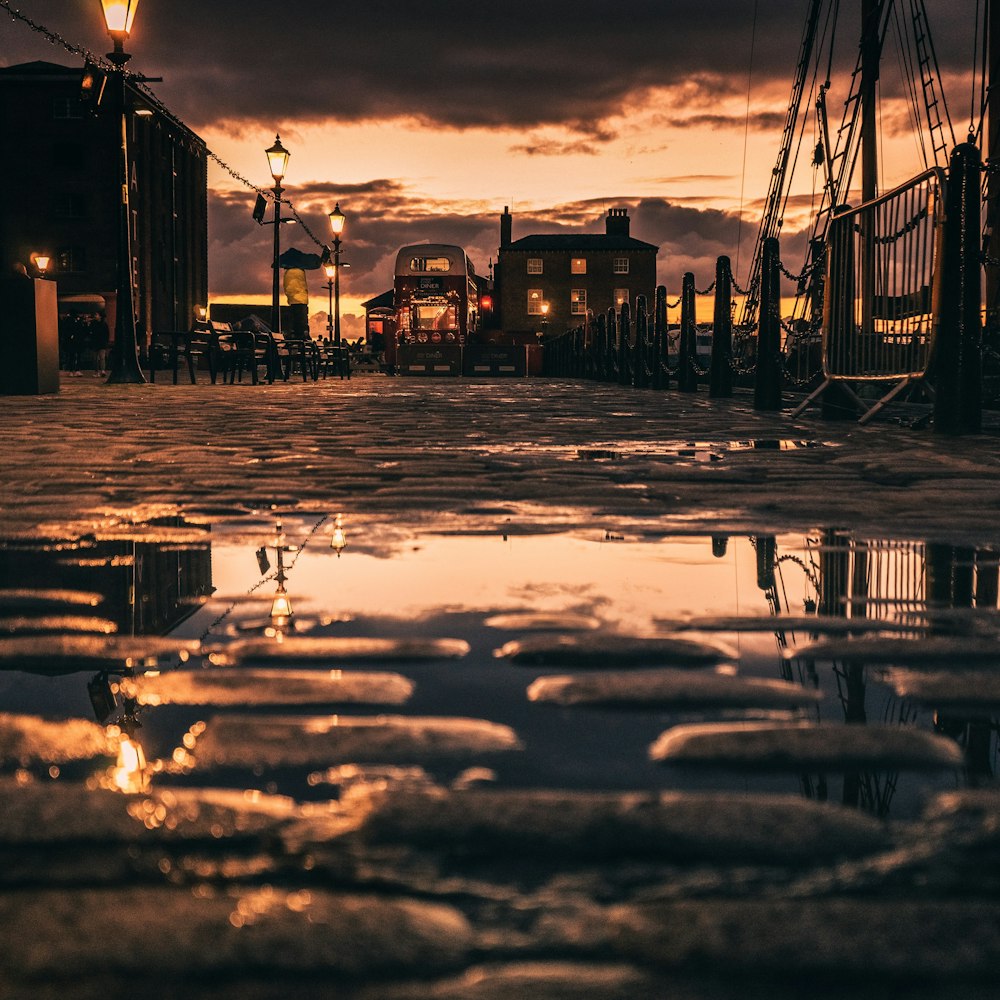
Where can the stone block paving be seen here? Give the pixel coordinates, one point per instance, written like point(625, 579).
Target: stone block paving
point(401, 886)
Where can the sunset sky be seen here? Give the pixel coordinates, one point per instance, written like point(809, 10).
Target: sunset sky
point(424, 121)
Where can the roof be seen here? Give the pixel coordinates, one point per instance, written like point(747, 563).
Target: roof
point(578, 241)
point(382, 301)
point(40, 69)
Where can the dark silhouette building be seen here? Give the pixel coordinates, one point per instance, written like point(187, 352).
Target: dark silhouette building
point(575, 274)
point(64, 193)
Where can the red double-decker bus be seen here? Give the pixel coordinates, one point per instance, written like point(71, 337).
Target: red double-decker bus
point(436, 298)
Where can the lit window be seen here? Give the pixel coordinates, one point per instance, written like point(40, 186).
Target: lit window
point(435, 316)
point(426, 264)
point(578, 302)
point(535, 300)
point(621, 297)
point(578, 265)
point(534, 265)
point(621, 265)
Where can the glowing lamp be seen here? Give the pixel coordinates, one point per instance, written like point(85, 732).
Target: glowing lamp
point(277, 158)
point(118, 16)
point(338, 540)
point(329, 270)
point(42, 262)
point(201, 313)
point(486, 302)
point(281, 607)
point(337, 220)
point(545, 308)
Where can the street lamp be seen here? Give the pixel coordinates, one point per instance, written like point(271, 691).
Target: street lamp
point(330, 271)
point(125, 367)
point(277, 158)
point(337, 220)
point(41, 261)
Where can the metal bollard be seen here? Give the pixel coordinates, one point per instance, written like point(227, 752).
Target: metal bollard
point(767, 383)
point(958, 362)
point(720, 373)
point(687, 377)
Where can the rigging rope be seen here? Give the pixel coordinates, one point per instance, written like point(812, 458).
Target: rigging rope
point(746, 136)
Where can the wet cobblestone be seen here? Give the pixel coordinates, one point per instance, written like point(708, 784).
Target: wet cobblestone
point(391, 878)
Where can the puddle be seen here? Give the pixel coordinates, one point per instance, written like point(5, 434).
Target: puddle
point(330, 729)
point(583, 649)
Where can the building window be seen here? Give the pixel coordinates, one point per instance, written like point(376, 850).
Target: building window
point(70, 205)
point(534, 265)
point(535, 300)
point(621, 297)
point(66, 107)
point(578, 265)
point(621, 265)
point(578, 302)
point(71, 259)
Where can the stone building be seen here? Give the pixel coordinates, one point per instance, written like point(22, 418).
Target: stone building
point(64, 192)
point(574, 275)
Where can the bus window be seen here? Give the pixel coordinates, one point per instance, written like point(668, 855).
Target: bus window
point(426, 264)
point(435, 317)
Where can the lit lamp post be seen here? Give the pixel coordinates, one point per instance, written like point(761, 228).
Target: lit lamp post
point(545, 318)
point(330, 270)
point(337, 220)
point(41, 261)
point(118, 17)
point(277, 158)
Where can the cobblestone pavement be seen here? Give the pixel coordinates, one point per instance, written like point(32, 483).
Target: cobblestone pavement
point(401, 885)
point(409, 447)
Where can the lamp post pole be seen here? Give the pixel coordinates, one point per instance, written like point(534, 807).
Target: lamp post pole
point(337, 220)
point(277, 158)
point(331, 271)
point(125, 367)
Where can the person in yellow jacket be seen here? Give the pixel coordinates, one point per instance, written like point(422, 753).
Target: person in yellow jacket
point(297, 296)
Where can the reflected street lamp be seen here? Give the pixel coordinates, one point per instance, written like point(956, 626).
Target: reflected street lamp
point(337, 220)
point(277, 159)
point(125, 367)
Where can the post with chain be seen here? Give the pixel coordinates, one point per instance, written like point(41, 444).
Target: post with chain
point(642, 370)
point(720, 373)
point(958, 365)
point(625, 345)
point(767, 384)
point(687, 377)
point(613, 354)
point(661, 373)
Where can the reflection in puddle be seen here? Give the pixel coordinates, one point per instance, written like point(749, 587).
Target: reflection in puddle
point(626, 641)
point(427, 742)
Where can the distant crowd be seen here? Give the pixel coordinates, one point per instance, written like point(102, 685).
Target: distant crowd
point(84, 341)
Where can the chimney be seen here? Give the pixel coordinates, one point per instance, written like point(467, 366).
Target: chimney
point(506, 221)
point(617, 222)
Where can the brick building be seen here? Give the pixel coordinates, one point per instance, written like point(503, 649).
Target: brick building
point(65, 190)
point(574, 274)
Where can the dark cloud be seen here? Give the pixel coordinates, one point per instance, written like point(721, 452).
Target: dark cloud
point(516, 63)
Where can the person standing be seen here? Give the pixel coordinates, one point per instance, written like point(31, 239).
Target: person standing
point(100, 340)
point(76, 342)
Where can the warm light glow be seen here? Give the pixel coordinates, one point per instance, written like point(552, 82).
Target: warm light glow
point(338, 540)
point(42, 262)
point(281, 607)
point(129, 773)
point(201, 312)
point(277, 158)
point(119, 15)
point(545, 308)
point(337, 220)
point(330, 270)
